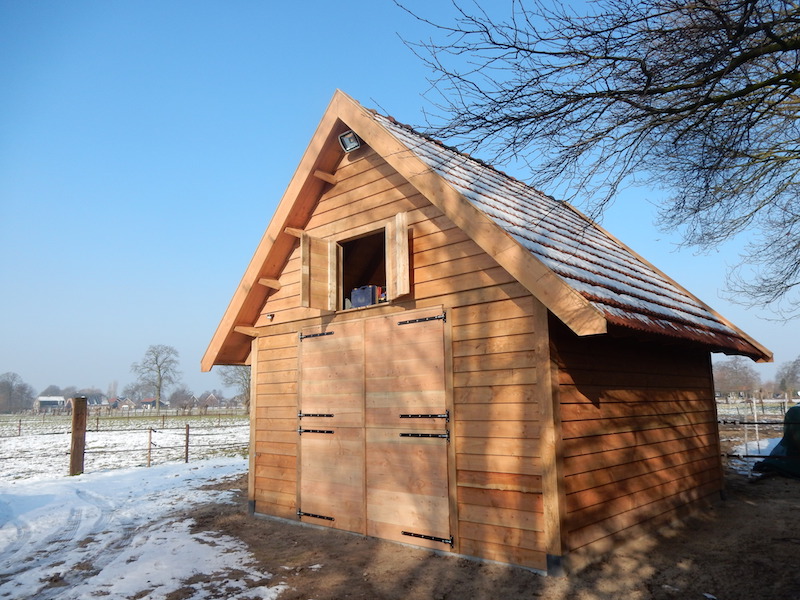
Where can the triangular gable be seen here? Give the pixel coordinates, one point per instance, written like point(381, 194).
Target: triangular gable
point(584, 276)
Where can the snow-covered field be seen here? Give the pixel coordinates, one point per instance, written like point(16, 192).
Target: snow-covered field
point(119, 534)
point(32, 447)
point(118, 531)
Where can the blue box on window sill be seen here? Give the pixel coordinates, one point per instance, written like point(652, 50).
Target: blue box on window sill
point(365, 295)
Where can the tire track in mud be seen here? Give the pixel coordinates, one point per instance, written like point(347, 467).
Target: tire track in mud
point(43, 554)
point(95, 552)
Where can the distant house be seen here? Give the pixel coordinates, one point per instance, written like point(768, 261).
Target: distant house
point(93, 401)
point(150, 403)
point(96, 400)
point(121, 403)
point(443, 356)
point(49, 404)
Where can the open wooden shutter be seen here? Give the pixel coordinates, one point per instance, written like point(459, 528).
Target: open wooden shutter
point(398, 277)
point(319, 276)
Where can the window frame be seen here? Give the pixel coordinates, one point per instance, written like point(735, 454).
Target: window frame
point(321, 263)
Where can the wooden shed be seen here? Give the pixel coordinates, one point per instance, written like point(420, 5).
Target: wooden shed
point(446, 357)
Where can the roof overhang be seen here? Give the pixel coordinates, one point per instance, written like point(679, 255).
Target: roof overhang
point(231, 342)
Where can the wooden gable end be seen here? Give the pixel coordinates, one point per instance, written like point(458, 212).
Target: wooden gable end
point(367, 198)
point(321, 195)
point(494, 382)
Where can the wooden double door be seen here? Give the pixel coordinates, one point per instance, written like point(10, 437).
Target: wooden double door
point(374, 428)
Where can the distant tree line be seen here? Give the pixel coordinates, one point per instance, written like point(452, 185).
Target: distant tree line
point(737, 376)
point(156, 375)
point(15, 394)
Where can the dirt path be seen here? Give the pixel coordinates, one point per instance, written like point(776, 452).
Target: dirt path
point(747, 547)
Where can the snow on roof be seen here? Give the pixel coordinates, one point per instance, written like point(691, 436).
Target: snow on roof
point(629, 291)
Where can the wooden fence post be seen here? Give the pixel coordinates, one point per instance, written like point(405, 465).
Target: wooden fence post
point(78, 445)
point(187, 443)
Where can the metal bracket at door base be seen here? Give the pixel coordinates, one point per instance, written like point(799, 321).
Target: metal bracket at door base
point(432, 538)
point(302, 514)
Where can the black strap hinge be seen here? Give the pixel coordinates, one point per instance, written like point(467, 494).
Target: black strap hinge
point(300, 415)
point(432, 538)
point(444, 436)
point(441, 317)
point(313, 335)
point(445, 415)
point(301, 431)
point(302, 514)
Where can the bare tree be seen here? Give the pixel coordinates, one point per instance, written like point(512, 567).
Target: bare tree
point(135, 392)
point(735, 375)
point(15, 394)
point(182, 398)
point(697, 97)
point(69, 392)
point(237, 377)
point(787, 378)
point(158, 370)
point(51, 390)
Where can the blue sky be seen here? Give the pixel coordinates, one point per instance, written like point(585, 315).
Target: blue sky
point(144, 146)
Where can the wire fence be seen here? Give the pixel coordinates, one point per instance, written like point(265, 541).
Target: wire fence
point(36, 447)
point(17, 425)
point(750, 430)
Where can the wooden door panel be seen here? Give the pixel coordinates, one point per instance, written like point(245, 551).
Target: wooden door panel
point(332, 478)
point(373, 394)
point(407, 489)
point(331, 427)
point(407, 470)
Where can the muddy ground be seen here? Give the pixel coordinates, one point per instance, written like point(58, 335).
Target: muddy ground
point(745, 547)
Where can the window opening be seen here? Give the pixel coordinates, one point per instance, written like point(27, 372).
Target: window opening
point(364, 270)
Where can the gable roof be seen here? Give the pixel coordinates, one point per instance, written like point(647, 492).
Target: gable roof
point(582, 274)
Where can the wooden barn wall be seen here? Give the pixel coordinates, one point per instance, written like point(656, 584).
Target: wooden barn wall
point(494, 356)
point(640, 438)
point(497, 430)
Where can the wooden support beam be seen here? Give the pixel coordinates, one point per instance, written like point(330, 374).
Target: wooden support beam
point(328, 177)
point(272, 284)
point(249, 331)
point(293, 231)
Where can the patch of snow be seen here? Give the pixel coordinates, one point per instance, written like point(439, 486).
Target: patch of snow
point(761, 447)
point(122, 534)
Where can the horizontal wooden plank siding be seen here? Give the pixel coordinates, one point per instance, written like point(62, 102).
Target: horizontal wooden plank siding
point(454, 412)
point(639, 432)
point(497, 430)
point(275, 413)
point(495, 472)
